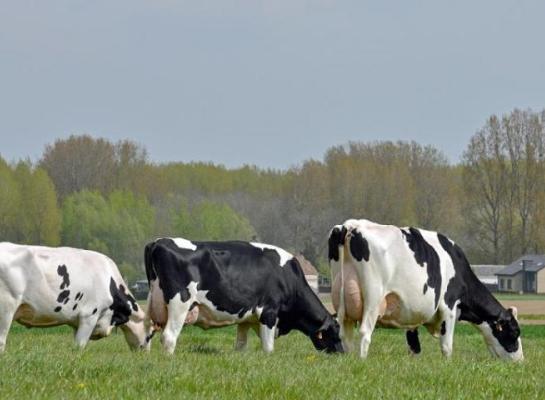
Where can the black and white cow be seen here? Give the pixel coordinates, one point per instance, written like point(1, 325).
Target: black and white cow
point(44, 286)
point(407, 277)
point(253, 285)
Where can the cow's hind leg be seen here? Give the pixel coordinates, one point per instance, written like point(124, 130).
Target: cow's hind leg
point(242, 336)
point(7, 311)
point(371, 311)
point(413, 341)
point(177, 312)
point(347, 333)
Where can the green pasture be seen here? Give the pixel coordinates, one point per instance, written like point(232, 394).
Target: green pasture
point(42, 363)
point(516, 296)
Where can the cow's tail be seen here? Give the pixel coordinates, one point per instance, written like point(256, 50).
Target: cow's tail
point(148, 262)
point(342, 309)
point(157, 314)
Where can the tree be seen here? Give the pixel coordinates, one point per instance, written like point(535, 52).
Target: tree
point(485, 185)
point(118, 226)
point(80, 162)
point(10, 198)
point(212, 221)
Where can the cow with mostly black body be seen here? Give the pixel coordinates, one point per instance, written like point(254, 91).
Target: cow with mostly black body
point(408, 277)
point(43, 287)
point(252, 285)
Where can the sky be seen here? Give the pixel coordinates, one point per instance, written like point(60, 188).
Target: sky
point(264, 82)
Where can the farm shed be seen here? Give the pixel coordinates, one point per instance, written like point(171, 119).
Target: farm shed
point(526, 274)
point(311, 274)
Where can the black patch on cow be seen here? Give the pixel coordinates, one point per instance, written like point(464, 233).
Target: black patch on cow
point(63, 296)
point(78, 297)
point(359, 247)
point(62, 271)
point(336, 239)
point(443, 328)
point(425, 288)
point(58, 308)
point(94, 311)
point(240, 278)
point(120, 305)
point(75, 306)
point(413, 341)
point(424, 253)
point(476, 303)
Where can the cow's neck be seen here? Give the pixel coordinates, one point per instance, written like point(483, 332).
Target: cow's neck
point(307, 313)
point(477, 304)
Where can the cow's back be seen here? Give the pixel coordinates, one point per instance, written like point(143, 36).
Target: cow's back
point(55, 285)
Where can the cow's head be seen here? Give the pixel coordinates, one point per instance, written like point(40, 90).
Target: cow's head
point(502, 336)
point(127, 314)
point(135, 332)
point(327, 337)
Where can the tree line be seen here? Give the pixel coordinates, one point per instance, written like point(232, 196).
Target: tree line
point(110, 197)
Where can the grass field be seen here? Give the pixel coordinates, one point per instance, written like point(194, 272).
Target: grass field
point(514, 296)
point(44, 364)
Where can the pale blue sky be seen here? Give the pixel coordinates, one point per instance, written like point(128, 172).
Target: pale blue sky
point(266, 82)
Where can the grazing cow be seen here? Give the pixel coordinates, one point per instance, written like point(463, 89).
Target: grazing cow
point(407, 277)
point(253, 285)
point(44, 286)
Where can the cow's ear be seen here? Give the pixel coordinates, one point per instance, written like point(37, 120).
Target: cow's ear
point(513, 310)
point(325, 326)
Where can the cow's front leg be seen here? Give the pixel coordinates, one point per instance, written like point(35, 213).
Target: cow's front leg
point(267, 334)
point(7, 311)
point(267, 330)
point(447, 333)
point(242, 336)
point(177, 312)
point(85, 329)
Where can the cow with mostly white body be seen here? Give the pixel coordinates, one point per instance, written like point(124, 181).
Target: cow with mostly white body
point(214, 284)
point(43, 287)
point(408, 277)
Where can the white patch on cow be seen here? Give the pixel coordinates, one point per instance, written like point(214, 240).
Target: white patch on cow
point(184, 243)
point(211, 316)
point(284, 255)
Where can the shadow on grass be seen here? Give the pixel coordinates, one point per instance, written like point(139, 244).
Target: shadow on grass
point(203, 348)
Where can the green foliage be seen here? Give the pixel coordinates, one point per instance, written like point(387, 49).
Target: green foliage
point(28, 205)
point(118, 225)
point(10, 198)
point(212, 221)
point(43, 363)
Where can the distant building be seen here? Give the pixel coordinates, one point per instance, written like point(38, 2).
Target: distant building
point(487, 275)
point(140, 289)
point(526, 274)
point(311, 273)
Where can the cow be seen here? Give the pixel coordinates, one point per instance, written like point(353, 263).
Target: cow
point(215, 284)
point(407, 277)
point(44, 286)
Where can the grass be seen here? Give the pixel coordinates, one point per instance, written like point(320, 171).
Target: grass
point(535, 317)
point(43, 364)
point(515, 296)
